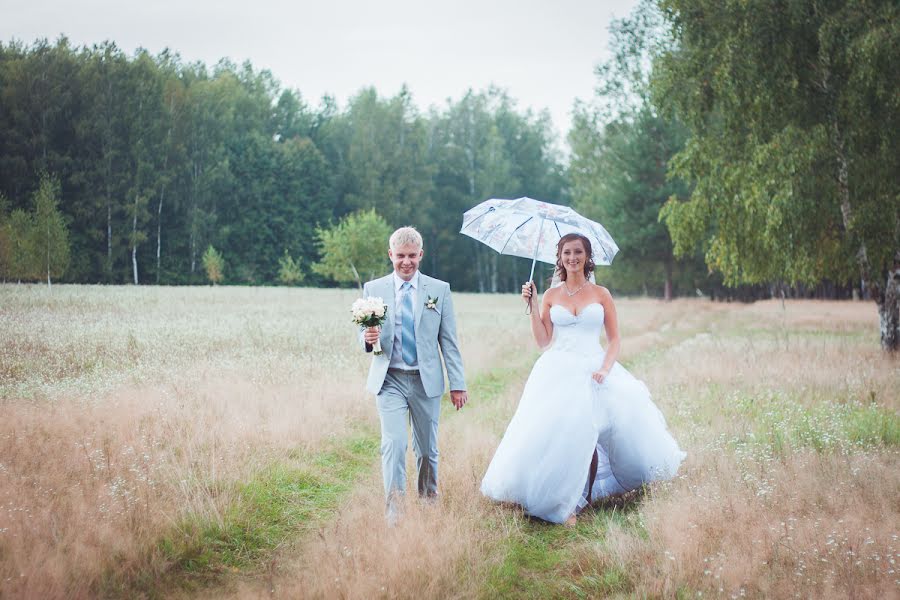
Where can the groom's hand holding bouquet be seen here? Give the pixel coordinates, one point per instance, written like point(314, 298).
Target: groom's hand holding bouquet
point(370, 313)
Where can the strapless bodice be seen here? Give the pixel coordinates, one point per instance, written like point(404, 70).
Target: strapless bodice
point(577, 333)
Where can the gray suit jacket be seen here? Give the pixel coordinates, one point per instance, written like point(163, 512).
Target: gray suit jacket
point(435, 328)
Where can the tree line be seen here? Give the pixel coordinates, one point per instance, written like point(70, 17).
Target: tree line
point(155, 161)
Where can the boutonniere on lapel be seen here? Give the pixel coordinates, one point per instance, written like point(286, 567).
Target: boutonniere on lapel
point(431, 303)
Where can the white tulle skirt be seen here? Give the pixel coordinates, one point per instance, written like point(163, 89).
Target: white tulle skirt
point(543, 460)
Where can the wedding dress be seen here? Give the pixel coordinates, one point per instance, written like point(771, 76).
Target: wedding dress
point(543, 460)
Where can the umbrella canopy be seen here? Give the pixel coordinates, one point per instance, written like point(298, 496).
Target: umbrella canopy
point(531, 229)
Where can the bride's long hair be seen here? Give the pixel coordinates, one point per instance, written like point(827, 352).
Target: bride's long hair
point(560, 273)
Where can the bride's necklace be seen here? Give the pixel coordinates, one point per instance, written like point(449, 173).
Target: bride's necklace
point(581, 287)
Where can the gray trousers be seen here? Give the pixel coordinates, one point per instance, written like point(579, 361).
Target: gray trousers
point(402, 399)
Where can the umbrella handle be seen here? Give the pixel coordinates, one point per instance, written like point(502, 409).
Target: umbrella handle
point(531, 299)
point(531, 275)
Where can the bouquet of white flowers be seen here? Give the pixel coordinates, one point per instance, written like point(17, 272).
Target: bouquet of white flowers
point(370, 312)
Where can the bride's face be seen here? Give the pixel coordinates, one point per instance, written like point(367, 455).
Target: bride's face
point(573, 256)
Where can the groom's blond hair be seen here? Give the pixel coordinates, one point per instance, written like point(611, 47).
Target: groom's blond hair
point(404, 236)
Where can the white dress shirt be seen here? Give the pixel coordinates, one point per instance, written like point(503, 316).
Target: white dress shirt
point(397, 361)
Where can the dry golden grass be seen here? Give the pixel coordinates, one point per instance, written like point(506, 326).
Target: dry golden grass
point(791, 488)
point(744, 519)
point(437, 551)
point(124, 409)
point(813, 525)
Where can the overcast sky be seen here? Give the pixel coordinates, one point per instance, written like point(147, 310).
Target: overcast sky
point(541, 51)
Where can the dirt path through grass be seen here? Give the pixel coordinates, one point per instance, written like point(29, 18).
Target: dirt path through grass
point(790, 416)
point(461, 547)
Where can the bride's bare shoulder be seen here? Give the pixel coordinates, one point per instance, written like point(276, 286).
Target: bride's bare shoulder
point(602, 294)
point(551, 295)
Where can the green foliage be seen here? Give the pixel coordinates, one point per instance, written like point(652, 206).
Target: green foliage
point(50, 235)
point(22, 263)
point(386, 161)
point(355, 249)
point(620, 153)
point(214, 264)
point(35, 245)
point(793, 154)
point(280, 193)
point(484, 148)
point(619, 179)
point(160, 159)
point(5, 238)
point(289, 272)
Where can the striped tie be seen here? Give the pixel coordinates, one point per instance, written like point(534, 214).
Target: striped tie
point(408, 331)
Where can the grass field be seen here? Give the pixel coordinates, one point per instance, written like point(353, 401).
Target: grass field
point(210, 442)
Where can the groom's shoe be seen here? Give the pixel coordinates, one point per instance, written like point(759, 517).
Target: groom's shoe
point(394, 509)
point(392, 516)
point(428, 499)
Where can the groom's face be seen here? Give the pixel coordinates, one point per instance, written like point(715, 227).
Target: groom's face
point(406, 260)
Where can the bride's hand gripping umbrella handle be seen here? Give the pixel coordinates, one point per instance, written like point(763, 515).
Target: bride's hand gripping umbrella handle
point(528, 291)
point(530, 282)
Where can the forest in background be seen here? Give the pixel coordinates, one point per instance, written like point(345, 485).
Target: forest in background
point(731, 152)
point(155, 160)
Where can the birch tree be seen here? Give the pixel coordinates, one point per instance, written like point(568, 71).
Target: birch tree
point(793, 153)
point(354, 250)
point(50, 235)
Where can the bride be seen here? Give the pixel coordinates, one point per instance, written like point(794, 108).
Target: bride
point(585, 427)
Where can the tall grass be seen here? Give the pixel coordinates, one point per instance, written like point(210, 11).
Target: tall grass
point(815, 515)
point(128, 415)
point(206, 437)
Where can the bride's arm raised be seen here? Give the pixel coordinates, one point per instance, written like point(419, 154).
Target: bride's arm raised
point(611, 324)
point(541, 325)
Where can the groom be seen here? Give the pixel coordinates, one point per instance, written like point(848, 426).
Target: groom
point(408, 380)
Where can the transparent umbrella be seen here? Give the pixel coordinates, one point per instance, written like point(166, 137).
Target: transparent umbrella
point(531, 229)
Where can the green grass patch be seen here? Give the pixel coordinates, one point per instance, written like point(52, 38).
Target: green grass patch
point(275, 506)
point(543, 560)
point(526, 559)
point(873, 426)
point(489, 386)
point(783, 421)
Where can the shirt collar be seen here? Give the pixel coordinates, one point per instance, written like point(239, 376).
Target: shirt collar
point(414, 282)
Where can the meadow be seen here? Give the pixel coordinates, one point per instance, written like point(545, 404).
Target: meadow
point(216, 442)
